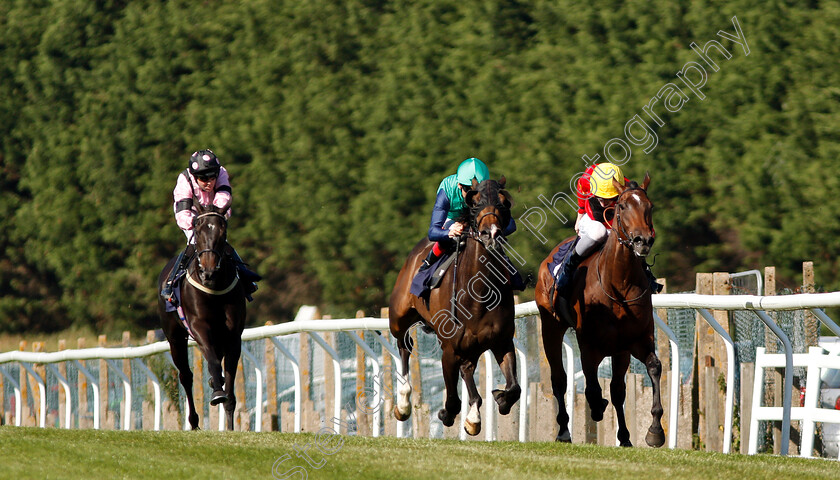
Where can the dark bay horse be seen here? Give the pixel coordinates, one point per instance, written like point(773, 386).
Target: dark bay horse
point(471, 311)
point(213, 304)
point(610, 306)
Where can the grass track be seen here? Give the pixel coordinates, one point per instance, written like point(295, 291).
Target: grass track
point(87, 454)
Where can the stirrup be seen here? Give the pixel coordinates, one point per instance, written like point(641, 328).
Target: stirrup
point(430, 259)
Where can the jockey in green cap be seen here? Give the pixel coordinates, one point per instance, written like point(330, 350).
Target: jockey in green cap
point(450, 205)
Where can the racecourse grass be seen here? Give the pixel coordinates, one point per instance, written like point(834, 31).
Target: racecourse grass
point(90, 454)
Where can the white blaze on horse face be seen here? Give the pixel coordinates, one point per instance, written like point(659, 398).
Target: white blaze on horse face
point(494, 230)
point(404, 397)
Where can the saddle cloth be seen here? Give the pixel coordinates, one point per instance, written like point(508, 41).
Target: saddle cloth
point(559, 258)
point(176, 292)
point(427, 280)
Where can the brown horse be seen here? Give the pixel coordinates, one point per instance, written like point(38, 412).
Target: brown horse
point(471, 312)
point(610, 306)
point(213, 304)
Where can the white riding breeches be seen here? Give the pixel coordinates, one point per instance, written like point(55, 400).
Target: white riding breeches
point(592, 235)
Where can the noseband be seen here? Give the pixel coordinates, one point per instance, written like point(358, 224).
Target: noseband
point(474, 232)
point(211, 250)
point(478, 220)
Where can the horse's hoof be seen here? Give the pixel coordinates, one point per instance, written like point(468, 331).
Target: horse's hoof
point(399, 416)
point(565, 436)
point(218, 397)
point(506, 398)
point(626, 444)
point(472, 429)
point(597, 414)
point(445, 418)
point(655, 438)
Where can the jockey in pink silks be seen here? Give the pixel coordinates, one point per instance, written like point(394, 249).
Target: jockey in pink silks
point(206, 181)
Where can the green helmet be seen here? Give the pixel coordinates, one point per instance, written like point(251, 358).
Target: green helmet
point(472, 168)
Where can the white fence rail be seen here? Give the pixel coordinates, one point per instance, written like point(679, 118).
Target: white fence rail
point(808, 414)
point(303, 323)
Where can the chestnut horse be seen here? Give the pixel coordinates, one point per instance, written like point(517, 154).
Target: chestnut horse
point(610, 306)
point(213, 304)
point(472, 310)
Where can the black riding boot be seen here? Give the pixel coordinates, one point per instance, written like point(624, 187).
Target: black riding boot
point(180, 265)
point(655, 287)
point(430, 260)
point(248, 276)
point(564, 280)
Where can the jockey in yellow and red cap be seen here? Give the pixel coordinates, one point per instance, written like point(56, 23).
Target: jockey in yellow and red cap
point(596, 194)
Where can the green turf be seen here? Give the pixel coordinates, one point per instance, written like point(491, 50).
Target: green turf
point(89, 454)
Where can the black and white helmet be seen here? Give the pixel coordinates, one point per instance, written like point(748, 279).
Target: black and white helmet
point(204, 164)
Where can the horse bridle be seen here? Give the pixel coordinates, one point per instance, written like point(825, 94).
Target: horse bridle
point(211, 250)
point(620, 230)
point(477, 221)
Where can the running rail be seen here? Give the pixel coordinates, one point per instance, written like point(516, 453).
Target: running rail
point(304, 324)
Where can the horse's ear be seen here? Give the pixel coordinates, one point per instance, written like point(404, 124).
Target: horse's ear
point(475, 183)
point(619, 186)
point(646, 181)
point(502, 181)
point(505, 198)
point(224, 208)
point(198, 206)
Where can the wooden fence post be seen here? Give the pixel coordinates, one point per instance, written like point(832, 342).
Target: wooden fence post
point(773, 381)
point(84, 421)
point(309, 420)
point(812, 327)
point(715, 397)
point(271, 420)
point(747, 379)
point(126, 369)
point(106, 421)
point(149, 399)
point(329, 379)
point(363, 420)
point(25, 411)
point(62, 395)
point(704, 357)
point(41, 370)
